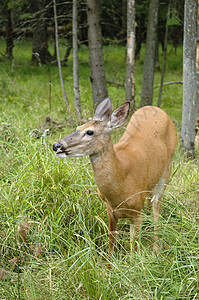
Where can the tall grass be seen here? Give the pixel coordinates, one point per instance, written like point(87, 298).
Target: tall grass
point(53, 227)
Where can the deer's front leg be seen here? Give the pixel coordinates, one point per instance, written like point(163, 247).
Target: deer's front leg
point(134, 231)
point(112, 229)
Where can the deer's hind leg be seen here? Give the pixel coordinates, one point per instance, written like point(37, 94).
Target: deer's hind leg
point(158, 192)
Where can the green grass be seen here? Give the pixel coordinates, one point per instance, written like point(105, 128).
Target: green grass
point(53, 227)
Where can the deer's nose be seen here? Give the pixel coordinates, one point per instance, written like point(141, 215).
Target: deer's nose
point(57, 146)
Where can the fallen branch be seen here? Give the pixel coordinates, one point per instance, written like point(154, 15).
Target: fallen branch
point(168, 83)
point(155, 86)
point(115, 83)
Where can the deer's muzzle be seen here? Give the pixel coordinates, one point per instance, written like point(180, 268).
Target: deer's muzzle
point(57, 146)
point(63, 147)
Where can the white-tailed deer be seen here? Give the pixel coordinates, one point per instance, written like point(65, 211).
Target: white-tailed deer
point(131, 171)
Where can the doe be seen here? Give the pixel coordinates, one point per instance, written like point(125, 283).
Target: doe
point(135, 169)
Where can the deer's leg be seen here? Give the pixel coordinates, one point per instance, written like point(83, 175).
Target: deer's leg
point(158, 192)
point(134, 231)
point(112, 236)
point(156, 213)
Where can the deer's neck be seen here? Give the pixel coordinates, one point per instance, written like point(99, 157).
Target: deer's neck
point(107, 172)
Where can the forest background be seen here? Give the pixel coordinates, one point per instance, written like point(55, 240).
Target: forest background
point(53, 232)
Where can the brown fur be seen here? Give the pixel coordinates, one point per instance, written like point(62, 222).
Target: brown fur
point(126, 172)
point(130, 171)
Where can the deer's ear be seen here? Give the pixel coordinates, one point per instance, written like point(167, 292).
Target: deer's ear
point(103, 110)
point(119, 115)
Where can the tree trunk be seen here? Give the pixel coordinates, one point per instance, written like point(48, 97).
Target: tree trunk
point(75, 60)
point(157, 61)
point(58, 56)
point(68, 49)
point(140, 31)
point(130, 62)
point(189, 78)
point(40, 53)
point(8, 30)
point(98, 78)
point(122, 33)
point(149, 60)
point(164, 56)
point(197, 66)
point(123, 19)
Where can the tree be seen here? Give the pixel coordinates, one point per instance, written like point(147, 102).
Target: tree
point(130, 63)
point(141, 16)
point(7, 20)
point(58, 55)
point(75, 60)
point(176, 23)
point(189, 78)
point(149, 60)
point(197, 66)
point(98, 78)
point(40, 53)
point(164, 56)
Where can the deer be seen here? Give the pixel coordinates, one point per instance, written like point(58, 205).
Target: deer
point(131, 172)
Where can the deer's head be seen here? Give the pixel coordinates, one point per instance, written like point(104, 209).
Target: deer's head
point(91, 137)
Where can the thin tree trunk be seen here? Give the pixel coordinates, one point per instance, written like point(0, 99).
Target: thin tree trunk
point(189, 78)
point(197, 65)
point(149, 59)
point(164, 55)
point(124, 13)
point(140, 29)
point(130, 63)
point(75, 60)
point(98, 78)
point(58, 55)
point(122, 34)
point(8, 32)
point(157, 61)
point(68, 49)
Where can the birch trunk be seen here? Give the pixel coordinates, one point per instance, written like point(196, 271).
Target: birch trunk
point(189, 78)
point(130, 63)
point(197, 65)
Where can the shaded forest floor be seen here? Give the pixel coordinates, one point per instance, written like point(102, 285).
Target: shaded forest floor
point(53, 227)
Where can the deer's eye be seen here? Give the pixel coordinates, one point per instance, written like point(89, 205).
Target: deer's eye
point(90, 132)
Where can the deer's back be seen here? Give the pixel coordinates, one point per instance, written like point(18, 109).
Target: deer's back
point(147, 146)
point(149, 126)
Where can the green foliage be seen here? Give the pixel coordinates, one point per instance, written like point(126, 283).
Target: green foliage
point(53, 228)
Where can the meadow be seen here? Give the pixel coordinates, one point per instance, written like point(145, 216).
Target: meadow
point(53, 226)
